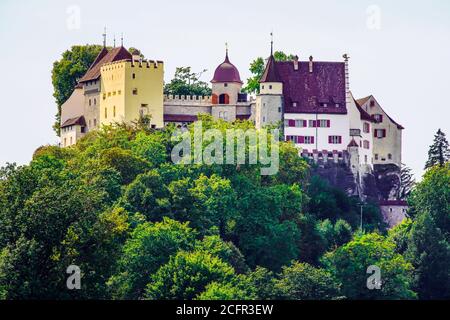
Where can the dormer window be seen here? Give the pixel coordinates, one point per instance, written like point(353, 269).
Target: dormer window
point(294, 104)
point(324, 105)
point(337, 105)
point(372, 103)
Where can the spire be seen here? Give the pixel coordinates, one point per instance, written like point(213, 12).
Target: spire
point(271, 43)
point(226, 52)
point(104, 37)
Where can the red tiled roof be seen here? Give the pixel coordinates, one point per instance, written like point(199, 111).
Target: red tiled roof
point(116, 54)
point(226, 72)
point(74, 122)
point(353, 143)
point(325, 84)
point(179, 118)
point(362, 101)
point(363, 113)
point(270, 73)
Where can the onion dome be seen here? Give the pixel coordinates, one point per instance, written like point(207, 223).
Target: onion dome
point(226, 72)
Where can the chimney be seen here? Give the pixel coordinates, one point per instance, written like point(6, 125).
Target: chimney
point(310, 64)
point(296, 62)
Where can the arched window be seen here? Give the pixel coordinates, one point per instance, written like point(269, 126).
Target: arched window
point(390, 156)
point(224, 98)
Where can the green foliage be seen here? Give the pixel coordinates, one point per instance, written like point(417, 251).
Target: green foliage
point(439, 152)
point(349, 263)
point(186, 82)
point(432, 196)
point(149, 247)
point(68, 70)
point(301, 281)
point(139, 226)
point(429, 253)
point(186, 275)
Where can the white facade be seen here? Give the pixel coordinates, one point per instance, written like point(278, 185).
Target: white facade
point(332, 132)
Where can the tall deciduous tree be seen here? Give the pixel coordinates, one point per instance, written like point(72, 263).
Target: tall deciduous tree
point(439, 152)
point(186, 82)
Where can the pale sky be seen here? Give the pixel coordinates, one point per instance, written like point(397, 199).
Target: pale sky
point(403, 58)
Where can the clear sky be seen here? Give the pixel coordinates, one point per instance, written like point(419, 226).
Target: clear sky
point(400, 52)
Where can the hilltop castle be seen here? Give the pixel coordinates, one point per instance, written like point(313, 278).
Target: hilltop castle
point(312, 99)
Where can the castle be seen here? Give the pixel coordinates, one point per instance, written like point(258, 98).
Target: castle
point(312, 99)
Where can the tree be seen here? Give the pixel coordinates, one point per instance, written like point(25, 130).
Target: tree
point(186, 82)
point(68, 70)
point(429, 253)
point(150, 247)
point(257, 69)
point(407, 182)
point(186, 275)
point(349, 263)
point(301, 281)
point(439, 152)
point(432, 196)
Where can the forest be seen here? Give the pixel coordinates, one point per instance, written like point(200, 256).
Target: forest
point(141, 227)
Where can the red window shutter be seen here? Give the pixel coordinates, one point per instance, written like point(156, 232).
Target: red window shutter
point(384, 132)
point(291, 123)
point(340, 139)
point(315, 125)
point(381, 118)
point(214, 99)
point(375, 133)
point(328, 123)
point(305, 123)
point(312, 139)
point(301, 139)
point(329, 139)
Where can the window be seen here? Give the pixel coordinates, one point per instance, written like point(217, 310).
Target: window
point(225, 85)
point(264, 119)
point(119, 92)
point(335, 139)
point(153, 126)
point(279, 109)
point(379, 133)
point(390, 156)
point(104, 96)
point(337, 105)
point(294, 104)
point(309, 140)
point(323, 105)
point(95, 101)
point(372, 103)
point(262, 87)
point(376, 156)
point(366, 127)
point(65, 142)
point(366, 144)
point(378, 117)
point(270, 87)
point(90, 102)
point(135, 91)
point(300, 123)
point(95, 122)
point(106, 113)
point(134, 76)
point(114, 111)
point(224, 99)
point(324, 123)
point(312, 123)
point(365, 158)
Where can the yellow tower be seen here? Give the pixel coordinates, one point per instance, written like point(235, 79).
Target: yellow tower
point(130, 89)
